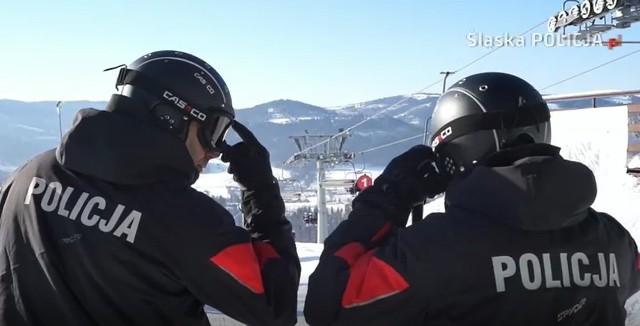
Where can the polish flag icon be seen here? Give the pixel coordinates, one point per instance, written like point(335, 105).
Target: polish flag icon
point(614, 42)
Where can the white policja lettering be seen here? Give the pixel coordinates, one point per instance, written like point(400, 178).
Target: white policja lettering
point(536, 273)
point(56, 196)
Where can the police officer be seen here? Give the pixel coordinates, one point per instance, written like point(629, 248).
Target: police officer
point(107, 230)
point(518, 243)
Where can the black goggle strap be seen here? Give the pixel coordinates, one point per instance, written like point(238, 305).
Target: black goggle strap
point(137, 78)
point(525, 115)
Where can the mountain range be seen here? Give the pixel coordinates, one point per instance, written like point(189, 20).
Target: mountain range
point(28, 128)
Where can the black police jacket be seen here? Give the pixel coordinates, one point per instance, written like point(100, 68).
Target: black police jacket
point(518, 244)
point(108, 231)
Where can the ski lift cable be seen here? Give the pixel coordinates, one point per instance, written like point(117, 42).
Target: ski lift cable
point(390, 144)
point(589, 70)
point(347, 130)
point(499, 47)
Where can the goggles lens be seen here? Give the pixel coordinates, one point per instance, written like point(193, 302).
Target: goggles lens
point(213, 132)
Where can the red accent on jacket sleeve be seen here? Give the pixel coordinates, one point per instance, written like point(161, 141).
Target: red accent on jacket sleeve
point(382, 232)
point(350, 252)
point(371, 279)
point(264, 252)
point(241, 262)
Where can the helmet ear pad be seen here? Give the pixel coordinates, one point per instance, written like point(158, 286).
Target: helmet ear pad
point(460, 154)
point(172, 120)
point(158, 112)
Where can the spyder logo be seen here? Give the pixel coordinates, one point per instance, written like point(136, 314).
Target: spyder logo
point(577, 307)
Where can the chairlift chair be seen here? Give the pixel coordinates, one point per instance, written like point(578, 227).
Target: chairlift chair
point(310, 218)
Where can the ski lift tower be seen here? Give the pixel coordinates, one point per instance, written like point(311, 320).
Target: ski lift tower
point(323, 149)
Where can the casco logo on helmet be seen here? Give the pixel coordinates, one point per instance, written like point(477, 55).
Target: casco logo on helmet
point(444, 134)
point(185, 106)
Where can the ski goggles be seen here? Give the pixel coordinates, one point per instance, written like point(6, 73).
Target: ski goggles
point(213, 130)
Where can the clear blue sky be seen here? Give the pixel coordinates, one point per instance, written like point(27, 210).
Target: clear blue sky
point(321, 52)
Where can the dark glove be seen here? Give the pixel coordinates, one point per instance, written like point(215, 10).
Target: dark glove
point(250, 166)
point(248, 160)
point(408, 180)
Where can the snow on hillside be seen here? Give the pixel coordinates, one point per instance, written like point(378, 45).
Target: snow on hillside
point(635, 162)
point(422, 96)
point(377, 104)
point(585, 93)
point(7, 168)
point(219, 184)
point(280, 120)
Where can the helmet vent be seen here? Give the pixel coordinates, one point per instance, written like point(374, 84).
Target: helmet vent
point(483, 88)
point(449, 165)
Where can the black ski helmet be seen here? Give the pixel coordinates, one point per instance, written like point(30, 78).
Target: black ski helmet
point(482, 114)
point(178, 87)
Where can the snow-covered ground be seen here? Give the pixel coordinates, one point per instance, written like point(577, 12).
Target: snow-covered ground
point(596, 137)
